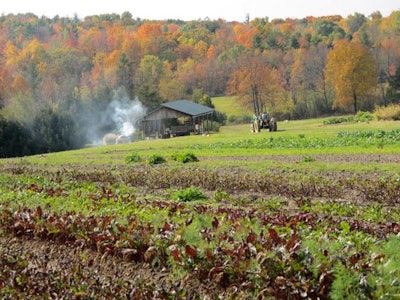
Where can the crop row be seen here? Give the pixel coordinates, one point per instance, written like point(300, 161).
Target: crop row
point(342, 139)
point(259, 247)
point(276, 254)
point(369, 189)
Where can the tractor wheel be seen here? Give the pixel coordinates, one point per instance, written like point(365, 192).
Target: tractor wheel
point(256, 126)
point(273, 126)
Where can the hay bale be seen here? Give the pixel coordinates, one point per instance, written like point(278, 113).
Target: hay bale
point(110, 138)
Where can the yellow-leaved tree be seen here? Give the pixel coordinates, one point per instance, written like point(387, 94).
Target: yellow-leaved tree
point(352, 71)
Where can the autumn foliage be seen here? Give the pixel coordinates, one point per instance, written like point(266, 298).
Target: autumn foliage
point(352, 71)
point(294, 68)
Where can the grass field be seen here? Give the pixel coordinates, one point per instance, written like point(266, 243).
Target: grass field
point(230, 106)
point(310, 211)
point(235, 140)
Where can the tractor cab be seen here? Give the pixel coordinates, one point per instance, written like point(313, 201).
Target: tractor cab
point(265, 117)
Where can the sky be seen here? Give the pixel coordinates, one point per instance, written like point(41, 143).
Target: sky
point(229, 10)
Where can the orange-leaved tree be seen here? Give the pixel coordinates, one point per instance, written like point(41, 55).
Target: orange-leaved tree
point(255, 82)
point(352, 71)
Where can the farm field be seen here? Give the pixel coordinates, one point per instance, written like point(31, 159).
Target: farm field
point(310, 211)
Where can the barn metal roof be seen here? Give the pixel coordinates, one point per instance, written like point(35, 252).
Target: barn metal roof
point(188, 107)
point(178, 108)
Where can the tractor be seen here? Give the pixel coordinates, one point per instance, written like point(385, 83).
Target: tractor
point(263, 120)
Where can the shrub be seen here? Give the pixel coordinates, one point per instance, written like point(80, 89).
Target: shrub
point(364, 116)
point(133, 157)
point(219, 117)
point(189, 194)
point(156, 159)
point(185, 157)
point(338, 120)
point(390, 112)
point(232, 119)
point(361, 116)
point(211, 126)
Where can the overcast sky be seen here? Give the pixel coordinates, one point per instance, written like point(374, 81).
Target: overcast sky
point(230, 10)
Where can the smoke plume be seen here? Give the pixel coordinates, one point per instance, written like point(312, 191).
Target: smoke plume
point(124, 113)
point(120, 118)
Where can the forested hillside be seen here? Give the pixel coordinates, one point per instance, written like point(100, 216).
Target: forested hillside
point(63, 79)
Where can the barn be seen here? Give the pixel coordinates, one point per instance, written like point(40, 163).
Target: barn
point(177, 118)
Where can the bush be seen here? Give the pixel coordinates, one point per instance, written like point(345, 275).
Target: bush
point(132, 158)
point(219, 117)
point(363, 116)
point(390, 112)
point(185, 157)
point(156, 159)
point(211, 126)
point(338, 120)
point(189, 194)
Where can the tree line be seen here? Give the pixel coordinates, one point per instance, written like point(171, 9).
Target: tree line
point(62, 73)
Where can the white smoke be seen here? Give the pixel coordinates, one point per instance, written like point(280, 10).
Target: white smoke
point(127, 129)
point(122, 113)
point(125, 112)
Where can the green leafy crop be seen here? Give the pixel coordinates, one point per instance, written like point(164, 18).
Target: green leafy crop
point(184, 157)
point(133, 158)
point(189, 194)
point(156, 159)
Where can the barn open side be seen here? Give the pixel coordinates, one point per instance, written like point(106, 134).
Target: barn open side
point(177, 118)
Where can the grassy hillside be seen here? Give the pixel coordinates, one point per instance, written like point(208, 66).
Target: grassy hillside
point(230, 106)
point(303, 137)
